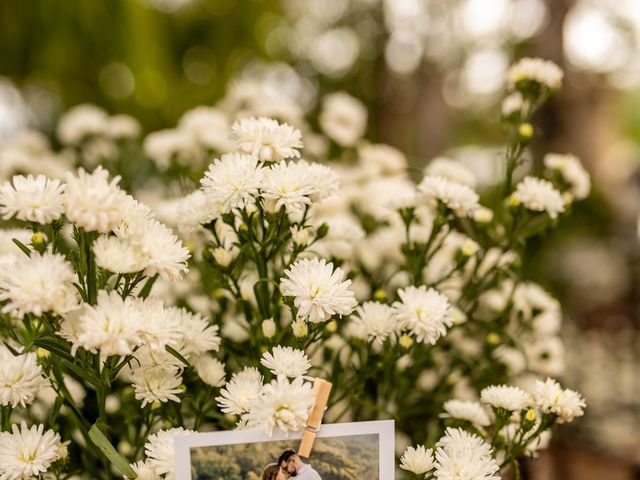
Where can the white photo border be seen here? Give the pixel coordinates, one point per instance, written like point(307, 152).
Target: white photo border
point(384, 428)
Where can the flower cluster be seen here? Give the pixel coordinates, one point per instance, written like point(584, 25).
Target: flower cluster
point(247, 264)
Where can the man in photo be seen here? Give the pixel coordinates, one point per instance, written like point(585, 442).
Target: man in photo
point(291, 464)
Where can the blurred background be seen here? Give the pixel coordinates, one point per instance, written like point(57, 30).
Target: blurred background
point(432, 74)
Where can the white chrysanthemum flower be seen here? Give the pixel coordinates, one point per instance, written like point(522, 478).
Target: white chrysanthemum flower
point(424, 312)
point(176, 144)
point(464, 456)
point(286, 361)
point(382, 159)
point(93, 202)
point(112, 327)
point(27, 453)
point(451, 170)
point(162, 251)
point(503, 396)
point(281, 405)
point(80, 122)
point(20, 378)
point(237, 394)
point(319, 292)
point(144, 471)
point(37, 284)
point(550, 397)
point(290, 185)
point(122, 126)
point(266, 139)
point(157, 384)
point(117, 255)
point(210, 370)
point(194, 210)
point(343, 118)
point(209, 125)
point(460, 198)
point(324, 179)
point(539, 195)
point(376, 321)
point(197, 335)
point(232, 182)
point(159, 326)
point(466, 410)
point(160, 451)
point(418, 460)
point(572, 172)
point(32, 199)
point(536, 70)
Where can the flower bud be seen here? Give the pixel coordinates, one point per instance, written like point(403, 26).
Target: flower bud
point(224, 257)
point(332, 326)
point(269, 328)
point(483, 215)
point(380, 295)
point(38, 239)
point(405, 341)
point(525, 131)
point(300, 329)
point(300, 236)
point(530, 415)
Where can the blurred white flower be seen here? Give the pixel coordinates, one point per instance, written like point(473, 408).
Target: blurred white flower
point(93, 202)
point(343, 118)
point(466, 410)
point(376, 321)
point(210, 370)
point(267, 140)
point(539, 195)
point(117, 255)
point(572, 172)
point(452, 170)
point(536, 70)
point(550, 397)
point(458, 197)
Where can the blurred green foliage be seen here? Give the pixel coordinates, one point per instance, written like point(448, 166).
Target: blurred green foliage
point(129, 57)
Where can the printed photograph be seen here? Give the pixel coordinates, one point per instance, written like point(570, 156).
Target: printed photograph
point(348, 451)
point(338, 458)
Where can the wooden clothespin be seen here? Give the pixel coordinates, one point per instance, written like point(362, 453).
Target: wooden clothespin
point(321, 389)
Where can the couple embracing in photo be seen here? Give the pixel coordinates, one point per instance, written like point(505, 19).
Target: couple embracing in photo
point(290, 466)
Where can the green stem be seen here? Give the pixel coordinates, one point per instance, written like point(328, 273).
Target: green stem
point(5, 418)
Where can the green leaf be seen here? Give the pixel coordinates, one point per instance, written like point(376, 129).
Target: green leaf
point(144, 293)
point(177, 354)
point(55, 346)
point(22, 247)
point(102, 442)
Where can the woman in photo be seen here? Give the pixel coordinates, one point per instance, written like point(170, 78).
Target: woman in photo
point(272, 472)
